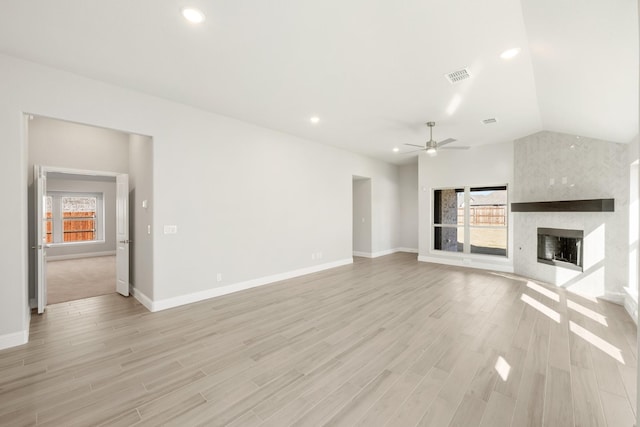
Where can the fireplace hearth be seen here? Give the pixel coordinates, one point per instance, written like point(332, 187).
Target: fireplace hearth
point(560, 247)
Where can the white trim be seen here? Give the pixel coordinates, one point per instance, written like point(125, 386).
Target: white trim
point(383, 253)
point(631, 304)
point(224, 290)
point(142, 298)
point(468, 262)
point(362, 254)
point(71, 171)
point(614, 297)
point(409, 250)
point(83, 255)
point(14, 339)
point(27, 323)
point(80, 243)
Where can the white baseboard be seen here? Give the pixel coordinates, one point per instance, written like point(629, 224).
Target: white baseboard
point(409, 250)
point(462, 262)
point(27, 322)
point(14, 339)
point(631, 304)
point(224, 290)
point(614, 297)
point(383, 253)
point(78, 256)
point(142, 298)
point(362, 254)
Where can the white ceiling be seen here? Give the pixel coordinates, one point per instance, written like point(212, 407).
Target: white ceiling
point(372, 70)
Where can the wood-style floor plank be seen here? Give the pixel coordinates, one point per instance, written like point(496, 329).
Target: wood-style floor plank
point(388, 341)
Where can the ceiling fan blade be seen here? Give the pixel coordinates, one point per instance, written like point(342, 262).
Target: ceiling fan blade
point(412, 151)
point(446, 141)
point(414, 145)
point(457, 147)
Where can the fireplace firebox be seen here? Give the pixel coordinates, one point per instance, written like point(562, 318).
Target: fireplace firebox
point(562, 248)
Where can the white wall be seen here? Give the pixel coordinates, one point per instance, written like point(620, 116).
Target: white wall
point(593, 169)
point(487, 165)
point(248, 202)
point(362, 217)
point(631, 290)
point(408, 179)
point(76, 146)
point(141, 218)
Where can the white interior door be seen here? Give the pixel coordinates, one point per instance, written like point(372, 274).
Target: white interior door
point(122, 234)
point(40, 192)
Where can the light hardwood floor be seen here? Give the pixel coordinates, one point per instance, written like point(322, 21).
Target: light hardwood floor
point(388, 341)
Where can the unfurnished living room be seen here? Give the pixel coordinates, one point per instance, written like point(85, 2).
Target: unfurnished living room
point(418, 213)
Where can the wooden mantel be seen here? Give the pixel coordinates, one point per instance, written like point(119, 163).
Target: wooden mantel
point(590, 205)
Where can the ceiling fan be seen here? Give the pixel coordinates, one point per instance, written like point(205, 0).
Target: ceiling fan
point(432, 147)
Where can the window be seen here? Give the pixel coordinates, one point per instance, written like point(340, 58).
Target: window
point(48, 219)
point(448, 224)
point(471, 220)
point(74, 218)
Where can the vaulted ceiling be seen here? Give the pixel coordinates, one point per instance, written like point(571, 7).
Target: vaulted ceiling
point(373, 71)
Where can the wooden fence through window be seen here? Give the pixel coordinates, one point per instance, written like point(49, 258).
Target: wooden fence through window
point(484, 215)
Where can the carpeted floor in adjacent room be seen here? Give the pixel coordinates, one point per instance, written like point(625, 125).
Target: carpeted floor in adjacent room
point(73, 279)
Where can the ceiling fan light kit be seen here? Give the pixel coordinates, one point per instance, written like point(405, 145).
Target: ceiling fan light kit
point(431, 146)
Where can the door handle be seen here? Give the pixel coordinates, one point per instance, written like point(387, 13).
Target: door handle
point(125, 241)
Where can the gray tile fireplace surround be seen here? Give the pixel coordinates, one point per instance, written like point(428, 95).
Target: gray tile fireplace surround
point(552, 168)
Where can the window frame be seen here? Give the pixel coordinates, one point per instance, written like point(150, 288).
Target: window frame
point(466, 226)
point(58, 218)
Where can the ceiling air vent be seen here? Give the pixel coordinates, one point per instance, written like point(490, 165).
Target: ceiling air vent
point(489, 121)
point(458, 76)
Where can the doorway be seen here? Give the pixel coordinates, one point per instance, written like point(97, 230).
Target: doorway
point(80, 236)
point(81, 227)
point(79, 217)
point(362, 242)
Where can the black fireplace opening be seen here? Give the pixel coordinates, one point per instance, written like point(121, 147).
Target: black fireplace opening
point(559, 247)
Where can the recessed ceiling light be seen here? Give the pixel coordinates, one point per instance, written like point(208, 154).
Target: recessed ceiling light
point(315, 120)
point(193, 15)
point(510, 53)
point(396, 149)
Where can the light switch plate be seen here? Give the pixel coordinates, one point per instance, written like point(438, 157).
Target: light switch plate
point(170, 229)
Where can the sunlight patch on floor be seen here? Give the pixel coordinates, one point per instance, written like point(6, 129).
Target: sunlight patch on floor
point(551, 314)
point(503, 368)
point(596, 341)
point(587, 312)
point(544, 291)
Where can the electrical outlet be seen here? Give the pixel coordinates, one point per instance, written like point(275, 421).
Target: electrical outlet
point(170, 229)
point(319, 255)
point(313, 256)
point(219, 277)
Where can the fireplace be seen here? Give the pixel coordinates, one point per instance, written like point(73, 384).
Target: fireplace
point(562, 248)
